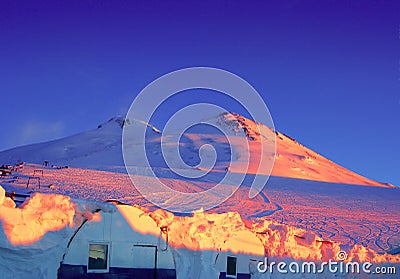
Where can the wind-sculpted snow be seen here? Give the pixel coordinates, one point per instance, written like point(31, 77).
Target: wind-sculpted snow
point(195, 240)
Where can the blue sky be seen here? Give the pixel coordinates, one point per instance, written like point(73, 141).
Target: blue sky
point(329, 72)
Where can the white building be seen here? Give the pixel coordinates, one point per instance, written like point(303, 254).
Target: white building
point(125, 243)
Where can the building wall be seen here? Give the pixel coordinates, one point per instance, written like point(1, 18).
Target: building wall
point(130, 234)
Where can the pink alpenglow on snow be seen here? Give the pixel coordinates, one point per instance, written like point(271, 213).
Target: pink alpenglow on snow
point(284, 241)
point(100, 149)
point(292, 159)
point(46, 222)
point(39, 215)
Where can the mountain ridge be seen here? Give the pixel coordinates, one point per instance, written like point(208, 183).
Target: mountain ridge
point(102, 147)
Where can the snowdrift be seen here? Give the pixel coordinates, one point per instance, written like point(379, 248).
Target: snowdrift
point(35, 236)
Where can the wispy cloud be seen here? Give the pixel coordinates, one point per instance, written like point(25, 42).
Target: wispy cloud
point(33, 131)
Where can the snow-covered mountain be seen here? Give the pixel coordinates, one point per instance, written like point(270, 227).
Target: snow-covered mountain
point(101, 149)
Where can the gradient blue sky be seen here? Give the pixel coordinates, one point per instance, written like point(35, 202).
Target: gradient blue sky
point(328, 70)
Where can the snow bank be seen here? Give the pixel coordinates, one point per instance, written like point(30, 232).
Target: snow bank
point(36, 217)
point(34, 237)
point(197, 240)
point(212, 231)
point(5, 201)
point(283, 241)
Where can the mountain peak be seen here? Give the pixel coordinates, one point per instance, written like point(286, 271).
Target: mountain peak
point(120, 121)
point(242, 126)
point(117, 120)
point(250, 128)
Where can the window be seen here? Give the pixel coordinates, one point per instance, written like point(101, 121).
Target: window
point(98, 258)
point(231, 267)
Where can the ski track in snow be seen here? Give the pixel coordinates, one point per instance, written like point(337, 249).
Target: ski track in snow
point(348, 214)
point(372, 219)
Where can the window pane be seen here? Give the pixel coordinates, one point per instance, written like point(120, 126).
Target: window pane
point(98, 256)
point(231, 266)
